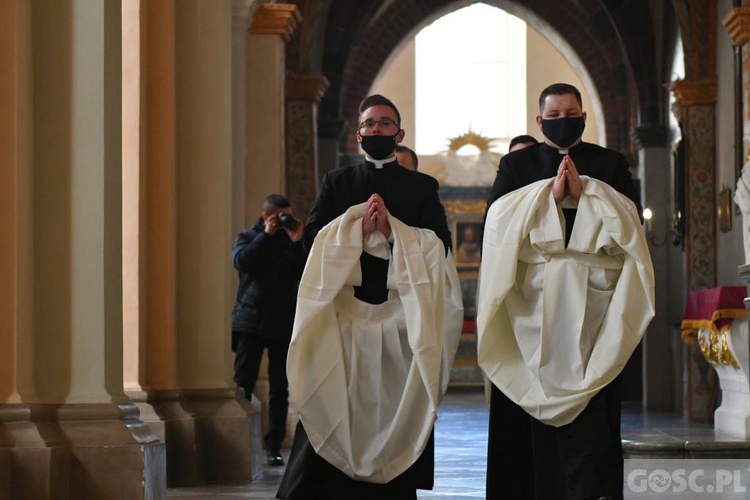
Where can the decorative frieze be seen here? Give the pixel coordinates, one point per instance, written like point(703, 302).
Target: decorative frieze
point(695, 92)
point(275, 19)
point(737, 23)
point(300, 87)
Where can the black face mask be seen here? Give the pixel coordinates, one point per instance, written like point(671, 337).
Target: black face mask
point(563, 131)
point(379, 147)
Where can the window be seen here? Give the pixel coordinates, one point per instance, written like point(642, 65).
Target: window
point(470, 75)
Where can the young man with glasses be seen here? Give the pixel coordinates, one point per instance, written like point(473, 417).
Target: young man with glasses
point(325, 467)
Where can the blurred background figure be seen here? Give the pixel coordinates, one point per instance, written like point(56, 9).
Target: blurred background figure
point(406, 157)
point(270, 260)
point(520, 142)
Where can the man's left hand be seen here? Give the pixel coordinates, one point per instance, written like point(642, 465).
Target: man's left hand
point(295, 234)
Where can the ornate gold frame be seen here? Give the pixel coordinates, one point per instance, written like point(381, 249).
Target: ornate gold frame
point(724, 209)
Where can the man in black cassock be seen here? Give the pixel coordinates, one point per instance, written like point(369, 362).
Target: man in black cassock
point(527, 459)
point(411, 197)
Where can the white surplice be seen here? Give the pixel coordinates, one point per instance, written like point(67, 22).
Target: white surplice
point(554, 324)
point(367, 378)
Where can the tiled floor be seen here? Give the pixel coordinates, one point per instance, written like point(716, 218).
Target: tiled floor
point(460, 457)
point(461, 446)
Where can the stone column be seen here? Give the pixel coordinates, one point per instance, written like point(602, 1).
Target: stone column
point(696, 100)
point(658, 366)
point(178, 187)
point(271, 28)
point(65, 418)
point(303, 94)
point(330, 133)
point(16, 263)
point(241, 21)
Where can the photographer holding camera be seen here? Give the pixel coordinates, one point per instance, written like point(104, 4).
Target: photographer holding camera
point(270, 261)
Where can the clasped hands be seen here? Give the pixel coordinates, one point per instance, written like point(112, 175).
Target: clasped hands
point(567, 182)
point(376, 218)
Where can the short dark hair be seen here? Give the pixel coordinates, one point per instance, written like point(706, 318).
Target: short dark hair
point(379, 100)
point(559, 89)
point(275, 201)
point(522, 139)
point(405, 149)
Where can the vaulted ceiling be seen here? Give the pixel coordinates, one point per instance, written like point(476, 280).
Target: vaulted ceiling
point(625, 47)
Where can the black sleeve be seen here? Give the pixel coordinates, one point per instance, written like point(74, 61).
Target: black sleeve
point(624, 184)
point(322, 213)
point(504, 183)
point(433, 215)
point(299, 258)
point(251, 251)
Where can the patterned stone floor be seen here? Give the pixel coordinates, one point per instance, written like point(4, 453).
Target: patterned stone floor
point(461, 446)
point(460, 457)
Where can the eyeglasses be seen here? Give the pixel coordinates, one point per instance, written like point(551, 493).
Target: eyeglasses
point(370, 124)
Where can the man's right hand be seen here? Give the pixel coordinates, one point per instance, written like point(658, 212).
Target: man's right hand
point(272, 224)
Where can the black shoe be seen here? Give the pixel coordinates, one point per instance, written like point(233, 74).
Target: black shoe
point(274, 458)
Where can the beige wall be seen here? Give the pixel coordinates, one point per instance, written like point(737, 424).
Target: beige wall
point(397, 83)
point(546, 65)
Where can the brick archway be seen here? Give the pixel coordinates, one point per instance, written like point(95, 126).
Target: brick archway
point(605, 41)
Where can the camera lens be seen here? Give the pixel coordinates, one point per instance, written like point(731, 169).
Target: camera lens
point(286, 220)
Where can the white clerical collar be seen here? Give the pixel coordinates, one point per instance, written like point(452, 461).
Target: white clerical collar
point(380, 163)
point(567, 150)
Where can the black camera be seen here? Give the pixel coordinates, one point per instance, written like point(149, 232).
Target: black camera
point(287, 220)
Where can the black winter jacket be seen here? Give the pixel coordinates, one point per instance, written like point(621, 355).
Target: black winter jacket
point(270, 268)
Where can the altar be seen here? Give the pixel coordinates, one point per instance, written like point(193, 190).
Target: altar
point(717, 316)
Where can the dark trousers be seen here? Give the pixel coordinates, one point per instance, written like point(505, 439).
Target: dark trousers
point(248, 349)
point(528, 460)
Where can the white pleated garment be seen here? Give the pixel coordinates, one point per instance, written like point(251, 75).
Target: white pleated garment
point(555, 325)
point(367, 378)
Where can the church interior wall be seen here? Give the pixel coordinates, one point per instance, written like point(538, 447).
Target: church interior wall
point(675, 283)
point(546, 65)
point(730, 247)
point(203, 198)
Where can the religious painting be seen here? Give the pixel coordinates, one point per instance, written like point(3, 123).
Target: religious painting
point(467, 235)
point(469, 296)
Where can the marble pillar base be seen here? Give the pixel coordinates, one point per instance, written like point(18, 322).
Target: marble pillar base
point(79, 451)
point(728, 352)
point(212, 436)
point(732, 418)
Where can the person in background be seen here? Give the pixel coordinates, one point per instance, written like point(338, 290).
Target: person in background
point(520, 142)
point(406, 157)
point(269, 259)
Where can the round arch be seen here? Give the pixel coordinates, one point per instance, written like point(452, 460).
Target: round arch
point(588, 38)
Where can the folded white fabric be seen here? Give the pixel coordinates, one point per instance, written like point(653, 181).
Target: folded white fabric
point(554, 324)
point(367, 378)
